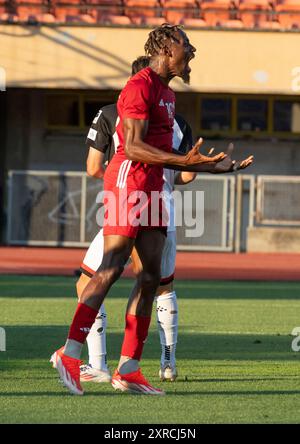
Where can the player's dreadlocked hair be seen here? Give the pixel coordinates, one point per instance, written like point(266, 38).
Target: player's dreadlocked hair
point(139, 63)
point(158, 38)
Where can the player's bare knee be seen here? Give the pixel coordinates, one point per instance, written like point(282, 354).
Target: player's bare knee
point(111, 274)
point(150, 279)
point(115, 272)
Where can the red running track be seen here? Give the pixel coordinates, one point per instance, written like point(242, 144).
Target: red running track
point(190, 265)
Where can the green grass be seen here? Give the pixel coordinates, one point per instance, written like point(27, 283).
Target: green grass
point(234, 355)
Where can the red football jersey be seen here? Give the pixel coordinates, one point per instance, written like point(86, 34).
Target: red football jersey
point(144, 97)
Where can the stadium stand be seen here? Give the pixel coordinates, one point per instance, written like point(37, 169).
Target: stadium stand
point(289, 13)
point(32, 12)
point(254, 12)
point(232, 24)
point(194, 22)
point(216, 11)
point(175, 11)
point(8, 12)
point(233, 14)
point(140, 10)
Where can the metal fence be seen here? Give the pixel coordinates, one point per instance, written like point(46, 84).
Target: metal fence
point(59, 209)
point(278, 200)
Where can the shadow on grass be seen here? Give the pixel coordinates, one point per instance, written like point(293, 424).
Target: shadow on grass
point(169, 393)
point(58, 287)
point(39, 342)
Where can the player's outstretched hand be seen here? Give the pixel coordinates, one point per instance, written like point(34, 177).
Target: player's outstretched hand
point(228, 165)
point(194, 157)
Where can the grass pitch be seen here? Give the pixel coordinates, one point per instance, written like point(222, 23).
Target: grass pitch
point(234, 355)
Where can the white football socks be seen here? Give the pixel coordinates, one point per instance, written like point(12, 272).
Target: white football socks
point(96, 341)
point(167, 321)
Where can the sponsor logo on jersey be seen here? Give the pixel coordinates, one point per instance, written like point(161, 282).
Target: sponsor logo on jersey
point(92, 134)
point(170, 107)
point(97, 116)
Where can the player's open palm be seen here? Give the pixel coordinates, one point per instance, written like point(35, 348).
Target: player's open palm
point(194, 157)
point(228, 165)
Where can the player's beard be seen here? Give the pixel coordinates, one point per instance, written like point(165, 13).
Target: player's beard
point(186, 77)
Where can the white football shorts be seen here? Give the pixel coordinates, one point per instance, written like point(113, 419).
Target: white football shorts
point(94, 256)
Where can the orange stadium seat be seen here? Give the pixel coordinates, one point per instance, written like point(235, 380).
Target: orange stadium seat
point(154, 21)
point(8, 12)
point(232, 24)
point(139, 10)
point(253, 12)
point(112, 19)
point(2, 7)
point(33, 13)
point(101, 9)
point(186, 9)
point(64, 13)
point(271, 25)
point(288, 13)
point(216, 11)
point(194, 22)
point(73, 12)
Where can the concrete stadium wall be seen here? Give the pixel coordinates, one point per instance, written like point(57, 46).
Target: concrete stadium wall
point(100, 58)
point(273, 240)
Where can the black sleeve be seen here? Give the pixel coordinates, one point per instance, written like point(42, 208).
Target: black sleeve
point(99, 135)
point(187, 139)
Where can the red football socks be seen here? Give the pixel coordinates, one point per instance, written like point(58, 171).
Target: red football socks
point(82, 322)
point(136, 332)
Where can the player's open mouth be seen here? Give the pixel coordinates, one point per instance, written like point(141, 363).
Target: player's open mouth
point(188, 59)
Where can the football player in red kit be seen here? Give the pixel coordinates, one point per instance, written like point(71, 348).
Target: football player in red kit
point(146, 108)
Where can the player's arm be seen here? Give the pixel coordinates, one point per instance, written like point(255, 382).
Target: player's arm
point(95, 163)
point(98, 141)
point(184, 177)
point(137, 150)
point(228, 165)
point(225, 165)
point(186, 144)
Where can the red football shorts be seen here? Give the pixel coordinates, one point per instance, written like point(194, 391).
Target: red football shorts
point(129, 211)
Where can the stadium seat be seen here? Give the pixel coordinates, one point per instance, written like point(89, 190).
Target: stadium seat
point(2, 8)
point(194, 23)
point(73, 13)
point(111, 19)
point(8, 12)
point(154, 21)
point(272, 25)
point(216, 11)
point(46, 18)
point(104, 9)
point(288, 14)
point(64, 13)
point(32, 13)
point(232, 24)
point(138, 10)
point(253, 12)
point(186, 9)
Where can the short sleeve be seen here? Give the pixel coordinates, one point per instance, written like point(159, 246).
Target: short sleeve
point(99, 136)
point(186, 143)
point(188, 138)
point(136, 99)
